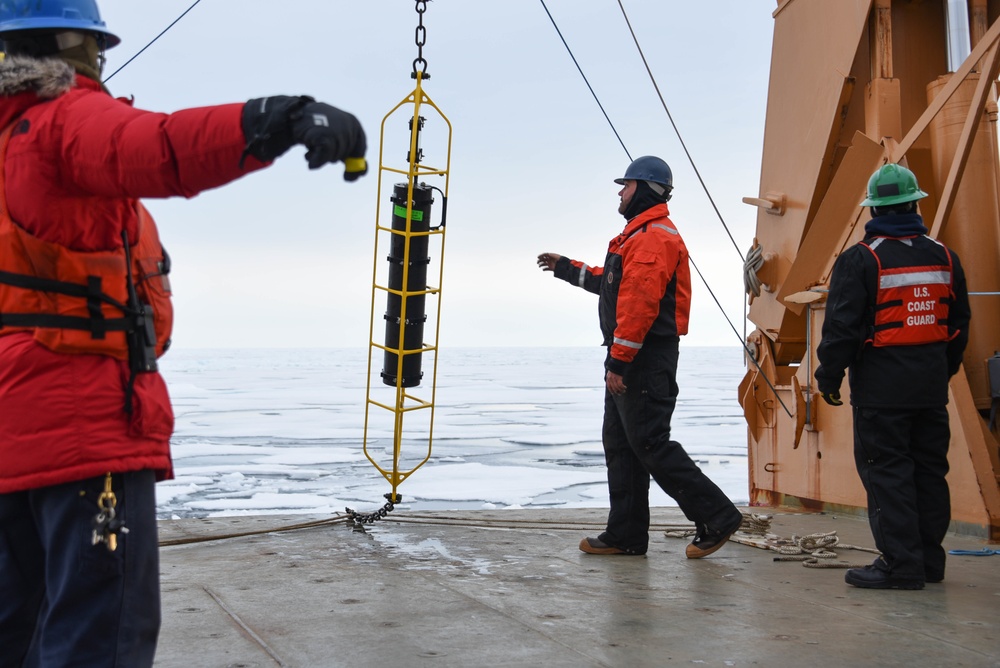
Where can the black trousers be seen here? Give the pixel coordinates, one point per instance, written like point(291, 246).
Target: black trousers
point(902, 458)
point(67, 602)
point(637, 445)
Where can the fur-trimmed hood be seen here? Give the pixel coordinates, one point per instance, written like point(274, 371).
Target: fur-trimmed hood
point(48, 77)
point(25, 81)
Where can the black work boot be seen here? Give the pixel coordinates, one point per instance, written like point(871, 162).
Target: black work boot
point(877, 576)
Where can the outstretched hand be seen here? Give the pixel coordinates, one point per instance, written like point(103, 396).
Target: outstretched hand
point(272, 125)
point(547, 261)
point(329, 135)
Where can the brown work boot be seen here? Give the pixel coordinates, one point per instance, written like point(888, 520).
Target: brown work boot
point(707, 541)
point(594, 546)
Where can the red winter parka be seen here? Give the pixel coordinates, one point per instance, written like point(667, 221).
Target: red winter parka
point(644, 285)
point(76, 164)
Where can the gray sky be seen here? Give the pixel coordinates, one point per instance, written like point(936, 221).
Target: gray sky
point(284, 257)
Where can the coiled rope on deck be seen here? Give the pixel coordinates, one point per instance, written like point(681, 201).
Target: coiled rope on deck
point(813, 550)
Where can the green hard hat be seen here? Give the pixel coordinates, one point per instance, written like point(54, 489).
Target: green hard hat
point(892, 184)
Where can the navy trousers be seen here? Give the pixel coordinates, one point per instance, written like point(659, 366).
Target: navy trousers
point(902, 458)
point(637, 445)
point(65, 602)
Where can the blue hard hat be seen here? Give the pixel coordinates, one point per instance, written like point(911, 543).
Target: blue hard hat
point(25, 15)
point(648, 168)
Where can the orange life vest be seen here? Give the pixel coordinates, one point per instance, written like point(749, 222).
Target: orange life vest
point(85, 302)
point(911, 306)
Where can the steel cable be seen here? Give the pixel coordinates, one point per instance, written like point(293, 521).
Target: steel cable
point(151, 41)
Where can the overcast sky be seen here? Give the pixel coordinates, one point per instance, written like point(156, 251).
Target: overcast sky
point(284, 257)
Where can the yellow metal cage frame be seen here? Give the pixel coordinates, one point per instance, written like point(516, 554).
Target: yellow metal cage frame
point(405, 401)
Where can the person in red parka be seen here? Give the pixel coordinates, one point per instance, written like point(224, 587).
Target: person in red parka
point(644, 291)
point(85, 418)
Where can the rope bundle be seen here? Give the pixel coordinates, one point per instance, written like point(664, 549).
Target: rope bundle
point(754, 261)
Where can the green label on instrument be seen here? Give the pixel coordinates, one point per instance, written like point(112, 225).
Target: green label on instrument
point(401, 212)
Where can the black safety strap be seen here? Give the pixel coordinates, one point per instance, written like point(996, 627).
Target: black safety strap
point(887, 325)
point(65, 322)
point(43, 284)
point(97, 324)
point(89, 291)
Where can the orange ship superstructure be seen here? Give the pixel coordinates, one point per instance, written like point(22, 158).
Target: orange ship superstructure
point(855, 84)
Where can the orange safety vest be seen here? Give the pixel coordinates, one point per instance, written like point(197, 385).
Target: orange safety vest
point(102, 302)
point(911, 306)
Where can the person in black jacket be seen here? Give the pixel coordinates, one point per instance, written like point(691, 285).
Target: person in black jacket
point(897, 316)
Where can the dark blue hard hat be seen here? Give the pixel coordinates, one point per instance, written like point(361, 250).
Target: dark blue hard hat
point(648, 168)
point(24, 15)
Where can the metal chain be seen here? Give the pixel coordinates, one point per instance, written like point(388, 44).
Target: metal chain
point(361, 519)
point(420, 37)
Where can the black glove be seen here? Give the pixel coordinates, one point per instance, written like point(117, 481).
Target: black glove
point(272, 125)
point(832, 398)
point(329, 134)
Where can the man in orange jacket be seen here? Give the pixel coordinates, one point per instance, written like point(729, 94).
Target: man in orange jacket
point(644, 293)
point(85, 312)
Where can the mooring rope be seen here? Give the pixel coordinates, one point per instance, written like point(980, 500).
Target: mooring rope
point(437, 519)
point(813, 550)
